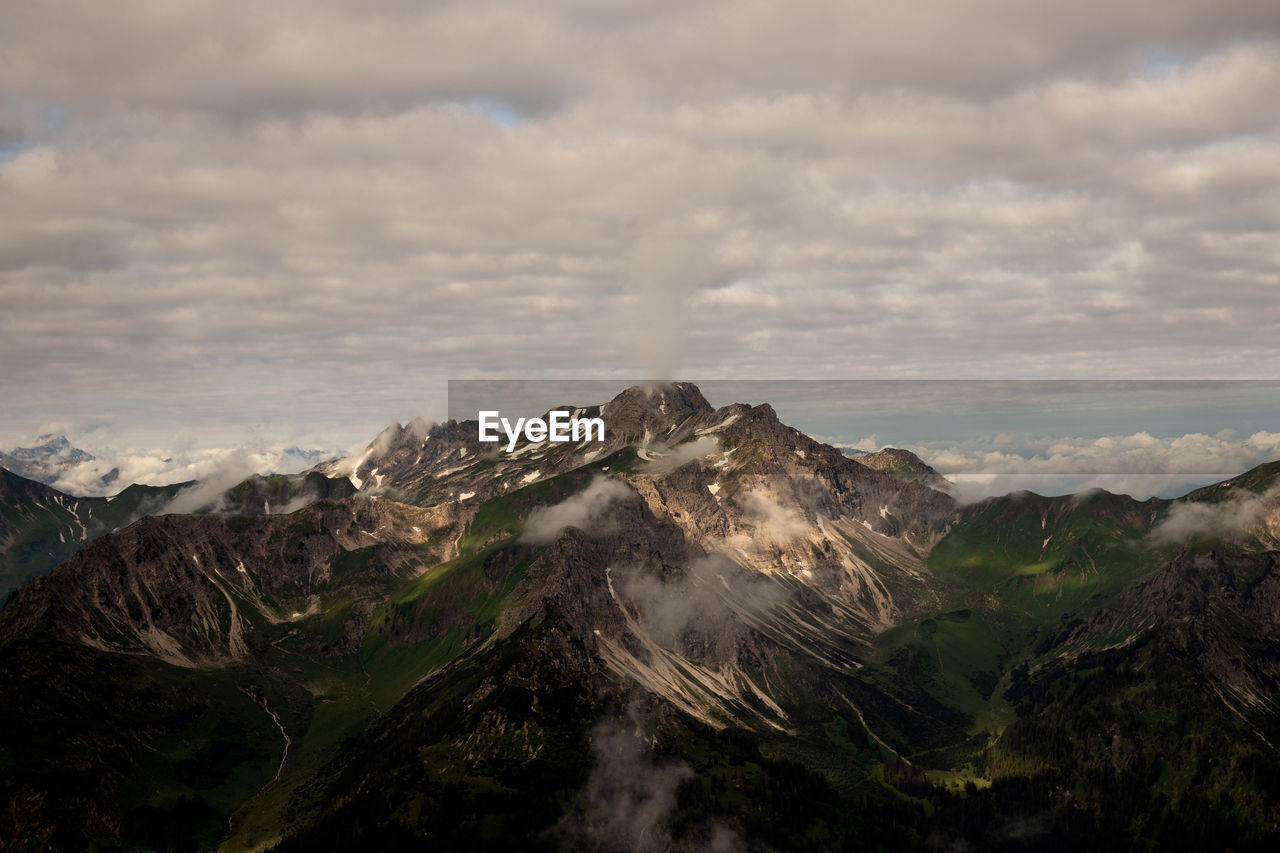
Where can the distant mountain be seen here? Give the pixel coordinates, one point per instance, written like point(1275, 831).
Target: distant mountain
point(904, 464)
point(47, 461)
point(708, 631)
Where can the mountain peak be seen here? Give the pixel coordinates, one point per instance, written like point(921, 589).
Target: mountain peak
point(905, 465)
point(653, 408)
point(50, 457)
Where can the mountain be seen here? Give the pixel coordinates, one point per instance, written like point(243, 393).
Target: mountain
point(708, 631)
point(906, 465)
point(41, 527)
point(47, 461)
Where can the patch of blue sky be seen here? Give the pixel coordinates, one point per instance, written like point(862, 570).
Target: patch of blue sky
point(495, 110)
point(28, 121)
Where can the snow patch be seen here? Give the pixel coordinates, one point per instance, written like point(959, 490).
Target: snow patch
point(724, 423)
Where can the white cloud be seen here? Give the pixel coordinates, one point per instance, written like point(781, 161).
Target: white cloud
point(1138, 464)
point(585, 510)
point(1238, 512)
point(772, 520)
point(666, 459)
point(215, 469)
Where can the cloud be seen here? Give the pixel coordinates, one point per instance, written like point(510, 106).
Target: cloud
point(630, 796)
point(1240, 511)
point(668, 459)
point(1139, 464)
point(870, 444)
point(707, 597)
point(242, 215)
point(164, 467)
point(585, 510)
point(416, 430)
point(772, 520)
point(630, 799)
point(227, 470)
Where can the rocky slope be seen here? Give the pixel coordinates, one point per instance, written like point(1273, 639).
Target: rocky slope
point(707, 631)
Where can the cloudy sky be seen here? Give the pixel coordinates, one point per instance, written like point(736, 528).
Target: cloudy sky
point(222, 225)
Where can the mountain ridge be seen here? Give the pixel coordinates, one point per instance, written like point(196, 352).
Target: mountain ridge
point(450, 651)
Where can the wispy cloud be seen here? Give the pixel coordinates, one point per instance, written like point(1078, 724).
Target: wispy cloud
point(631, 795)
point(586, 510)
point(698, 599)
point(1236, 513)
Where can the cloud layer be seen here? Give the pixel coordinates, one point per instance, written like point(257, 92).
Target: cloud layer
point(217, 469)
point(218, 214)
point(1139, 464)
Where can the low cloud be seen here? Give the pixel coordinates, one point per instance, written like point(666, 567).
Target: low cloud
point(669, 459)
point(393, 435)
point(1138, 464)
point(585, 510)
point(630, 799)
point(708, 597)
point(771, 519)
point(1239, 512)
point(630, 795)
point(111, 470)
point(870, 444)
point(209, 493)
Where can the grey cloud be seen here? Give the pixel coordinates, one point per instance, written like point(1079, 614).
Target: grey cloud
point(238, 58)
point(315, 215)
point(585, 510)
point(707, 596)
point(629, 797)
point(1236, 513)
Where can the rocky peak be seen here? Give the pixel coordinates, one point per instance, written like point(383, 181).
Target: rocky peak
point(653, 409)
point(52, 455)
point(905, 465)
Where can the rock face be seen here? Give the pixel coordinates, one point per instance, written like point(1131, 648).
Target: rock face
point(41, 527)
point(904, 465)
point(761, 638)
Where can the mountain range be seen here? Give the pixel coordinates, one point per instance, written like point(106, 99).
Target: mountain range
point(47, 460)
point(709, 631)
